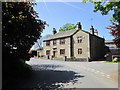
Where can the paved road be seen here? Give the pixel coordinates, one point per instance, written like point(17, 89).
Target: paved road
point(61, 74)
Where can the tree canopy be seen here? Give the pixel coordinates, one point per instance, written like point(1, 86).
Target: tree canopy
point(20, 29)
point(107, 7)
point(67, 26)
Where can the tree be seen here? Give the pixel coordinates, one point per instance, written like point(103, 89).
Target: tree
point(67, 26)
point(21, 28)
point(105, 8)
point(115, 31)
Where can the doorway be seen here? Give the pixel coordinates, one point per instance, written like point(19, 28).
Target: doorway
point(54, 53)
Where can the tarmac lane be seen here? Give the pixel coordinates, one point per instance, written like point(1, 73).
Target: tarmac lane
point(63, 74)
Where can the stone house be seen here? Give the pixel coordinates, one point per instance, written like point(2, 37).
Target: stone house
point(77, 43)
point(111, 50)
point(39, 52)
point(110, 44)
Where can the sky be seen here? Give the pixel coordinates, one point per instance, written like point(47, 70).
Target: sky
point(56, 14)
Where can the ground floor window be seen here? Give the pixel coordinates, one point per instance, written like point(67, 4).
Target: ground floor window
point(47, 52)
point(62, 51)
point(79, 50)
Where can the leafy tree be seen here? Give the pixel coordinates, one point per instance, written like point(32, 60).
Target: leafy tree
point(115, 31)
point(20, 29)
point(105, 8)
point(67, 26)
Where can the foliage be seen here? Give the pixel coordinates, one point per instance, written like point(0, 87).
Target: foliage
point(42, 55)
point(41, 48)
point(105, 8)
point(115, 31)
point(115, 59)
point(111, 62)
point(67, 26)
point(72, 57)
point(20, 29)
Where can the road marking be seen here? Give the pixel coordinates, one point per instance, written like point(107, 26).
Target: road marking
point(95, 71)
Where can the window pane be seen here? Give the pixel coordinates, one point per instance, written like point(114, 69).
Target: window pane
point(54, 42)
point(79, 39)
point(62, 41)
point(79, 51)
point(48, 43)
point(47, 52)
point(62, 51)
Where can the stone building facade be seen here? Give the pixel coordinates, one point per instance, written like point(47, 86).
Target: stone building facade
point(78, 44)
point(111, 50)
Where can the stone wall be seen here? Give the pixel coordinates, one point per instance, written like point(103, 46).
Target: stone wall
point(84, 45)
point(97, 47)
point(58, 46)
point(78, 59)
point(67, 59)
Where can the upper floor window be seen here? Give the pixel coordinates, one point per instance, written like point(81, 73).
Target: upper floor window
point(54, 42)
point(47, 52)
point(62, 41)
point(80, 51)
point(48, 43)
point(62, 51)
point(79, 39)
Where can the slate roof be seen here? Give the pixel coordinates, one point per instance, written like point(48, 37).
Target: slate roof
point(65, 34)
point(108, 41)
point(61, 34)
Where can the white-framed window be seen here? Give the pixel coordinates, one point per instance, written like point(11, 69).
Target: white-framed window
point(79, 39)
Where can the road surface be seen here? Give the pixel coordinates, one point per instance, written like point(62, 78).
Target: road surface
point(63, 74)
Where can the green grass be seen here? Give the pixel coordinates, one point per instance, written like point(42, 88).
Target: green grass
point(112, 62)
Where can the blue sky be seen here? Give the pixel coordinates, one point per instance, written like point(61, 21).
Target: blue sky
point(56, 14)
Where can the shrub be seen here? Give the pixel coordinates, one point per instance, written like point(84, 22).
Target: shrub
point(72, 57)
point(42, 55)
point(115, 59)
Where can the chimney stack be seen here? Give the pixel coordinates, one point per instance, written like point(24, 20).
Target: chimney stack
point(78, 26)
point(96, 32)
point(54, 31)
point(92, 29)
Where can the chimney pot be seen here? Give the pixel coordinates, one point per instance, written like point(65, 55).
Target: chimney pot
point(96, 32)
point(78, 26)
point(92, 29)
point(54, 31)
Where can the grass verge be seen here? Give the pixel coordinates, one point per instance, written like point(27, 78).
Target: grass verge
point(111, 62)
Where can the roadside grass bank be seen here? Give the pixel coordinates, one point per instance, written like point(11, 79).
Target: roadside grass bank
point(111, 62)
point(14, 73)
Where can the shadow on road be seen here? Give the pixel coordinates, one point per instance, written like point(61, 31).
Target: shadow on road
point(44, 76)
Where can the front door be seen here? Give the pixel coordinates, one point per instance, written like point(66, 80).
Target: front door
point(54, 53)
point(38, 54)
